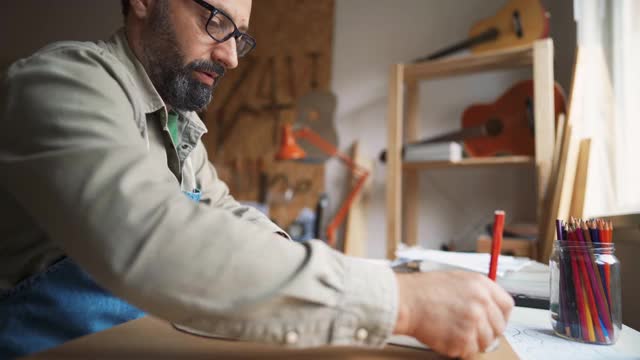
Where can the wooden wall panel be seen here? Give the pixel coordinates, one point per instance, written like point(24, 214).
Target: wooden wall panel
point(253, 100)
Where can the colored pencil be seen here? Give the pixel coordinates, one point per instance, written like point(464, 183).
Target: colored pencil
point(592, 295)
point(591, 336)
point(596, 282)
point(496, 243)
point(580, 296)
point(598, 243)
point(563, 289)
point(574, 289)
point(608, 229)
point(590, 303)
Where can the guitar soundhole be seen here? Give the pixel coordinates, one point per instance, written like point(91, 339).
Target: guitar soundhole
point(494, 127)
point(517, 24)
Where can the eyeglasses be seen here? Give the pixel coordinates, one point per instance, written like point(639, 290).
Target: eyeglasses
point(221, 28)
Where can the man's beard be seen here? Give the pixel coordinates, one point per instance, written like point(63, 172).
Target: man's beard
point(164, 63)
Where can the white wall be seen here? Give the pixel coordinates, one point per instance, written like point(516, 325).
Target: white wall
point(370, 35)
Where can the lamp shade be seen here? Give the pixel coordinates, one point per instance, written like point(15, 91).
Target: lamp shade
point(289, 148)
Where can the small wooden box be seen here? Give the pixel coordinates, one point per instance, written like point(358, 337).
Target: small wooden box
point(510, 246)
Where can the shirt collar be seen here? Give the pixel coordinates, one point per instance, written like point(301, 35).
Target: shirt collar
point(150, 99)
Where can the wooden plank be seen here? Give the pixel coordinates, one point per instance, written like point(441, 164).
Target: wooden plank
point(355, 232)
point(411, 178)
point(580, 183)
point(394, 161)
point(558, 206)
point(470, 162)
point(543, 220)
point(412, 132)
point(568, 181)
point(558, 141)
point(556, 153)
point(551, 207)
point(543, 115)
point(510, 58)
point(411, 206)
point(510, 246)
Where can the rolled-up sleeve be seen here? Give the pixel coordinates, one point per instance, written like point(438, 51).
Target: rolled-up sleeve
point(73, 158)
point(216, 193)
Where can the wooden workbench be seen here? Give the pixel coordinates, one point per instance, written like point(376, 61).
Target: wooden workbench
point(151, 338)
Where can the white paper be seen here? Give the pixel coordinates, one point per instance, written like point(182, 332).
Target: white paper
point(447, 151)
point(408, 341)
point(477, 262)
point(540, 343)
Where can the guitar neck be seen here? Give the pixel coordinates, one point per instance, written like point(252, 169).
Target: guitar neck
point(491, 128)
point(486, 36)
point(457, 135)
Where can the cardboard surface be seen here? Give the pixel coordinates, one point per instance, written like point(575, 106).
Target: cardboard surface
point(151, 338)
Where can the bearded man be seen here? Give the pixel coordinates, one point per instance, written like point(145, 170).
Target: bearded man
point(112, 210)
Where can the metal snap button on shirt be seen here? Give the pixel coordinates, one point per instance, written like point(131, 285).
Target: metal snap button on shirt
point(291, 338)
point(362, 334)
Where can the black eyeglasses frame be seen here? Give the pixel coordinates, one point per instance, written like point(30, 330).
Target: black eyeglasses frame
point(235, 33)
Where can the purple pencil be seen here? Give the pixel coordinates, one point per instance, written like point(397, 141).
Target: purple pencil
point(559, 233)
point(564, 313)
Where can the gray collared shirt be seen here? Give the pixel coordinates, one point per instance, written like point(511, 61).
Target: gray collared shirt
point(87, 169)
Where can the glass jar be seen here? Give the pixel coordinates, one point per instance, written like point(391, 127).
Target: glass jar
point(585, 293)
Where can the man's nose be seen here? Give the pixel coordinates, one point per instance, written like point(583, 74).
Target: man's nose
point(226, 53)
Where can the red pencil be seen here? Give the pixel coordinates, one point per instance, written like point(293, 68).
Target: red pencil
point(496, 243)
point(580, 294)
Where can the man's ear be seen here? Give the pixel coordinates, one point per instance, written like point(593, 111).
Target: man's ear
point(141, 8)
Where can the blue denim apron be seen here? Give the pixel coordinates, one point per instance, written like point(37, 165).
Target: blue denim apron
point(57, 305)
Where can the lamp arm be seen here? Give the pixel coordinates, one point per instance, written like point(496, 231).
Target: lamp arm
point(362, 173)
point(344, 209)
point(328, 148)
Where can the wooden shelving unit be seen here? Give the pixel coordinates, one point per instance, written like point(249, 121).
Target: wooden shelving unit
point(404, 94)
point(470, 162)
point(512, 58)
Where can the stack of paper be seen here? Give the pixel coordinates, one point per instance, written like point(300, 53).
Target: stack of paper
point(444, 151)
point(532, 282)
point(477, 262)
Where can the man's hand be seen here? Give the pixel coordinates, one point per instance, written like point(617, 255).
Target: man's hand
point(455, 313)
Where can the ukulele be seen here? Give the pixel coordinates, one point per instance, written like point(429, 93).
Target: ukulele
point(315, 110)
point(505, 127)
point(519, 22)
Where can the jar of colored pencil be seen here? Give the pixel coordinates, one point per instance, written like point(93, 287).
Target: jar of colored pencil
point(585, 283)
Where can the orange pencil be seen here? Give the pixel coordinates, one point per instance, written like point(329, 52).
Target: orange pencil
point(591, 328)
point(496, 243)
point(602, 303)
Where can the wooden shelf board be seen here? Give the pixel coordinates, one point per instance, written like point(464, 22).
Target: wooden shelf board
point(511, 58)
point(471, 162)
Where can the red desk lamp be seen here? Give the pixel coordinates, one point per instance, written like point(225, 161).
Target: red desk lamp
point(290, 150)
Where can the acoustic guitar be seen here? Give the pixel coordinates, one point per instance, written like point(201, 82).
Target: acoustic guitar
point(519, 22)
point(504, 127)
